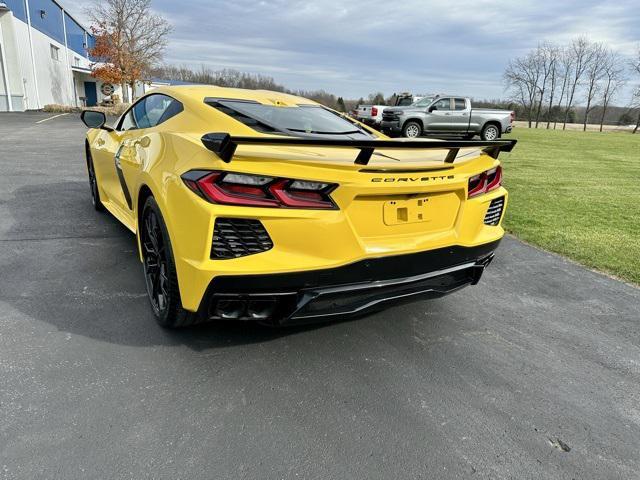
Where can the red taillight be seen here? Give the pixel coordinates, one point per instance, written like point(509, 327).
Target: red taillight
point(229, 188)
point(494, 178)
point(513, 117)
point(374, 112)
point(485, 182)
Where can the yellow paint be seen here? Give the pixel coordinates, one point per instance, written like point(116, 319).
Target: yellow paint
point(303, 239)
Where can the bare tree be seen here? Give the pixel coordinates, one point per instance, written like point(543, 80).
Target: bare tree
point(635, 99)
point(635, 103)
point(131, 37)
point(565, 68)
point(580, 49)
point(555, 55)
point(613, 80)
point(522, 78)
point(376, 98)
point(594, 73)
point(546, 57)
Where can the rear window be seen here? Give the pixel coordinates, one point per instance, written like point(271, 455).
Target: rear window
point(302, 119)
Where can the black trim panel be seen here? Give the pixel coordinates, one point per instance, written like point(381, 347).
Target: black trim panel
point(368, 270)
point(357, 288)
point(123, 183)
point(351, 290)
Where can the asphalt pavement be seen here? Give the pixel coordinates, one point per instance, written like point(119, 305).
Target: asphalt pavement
point(532, 374)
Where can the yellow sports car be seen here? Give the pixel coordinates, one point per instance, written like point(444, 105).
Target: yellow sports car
point(258, 205)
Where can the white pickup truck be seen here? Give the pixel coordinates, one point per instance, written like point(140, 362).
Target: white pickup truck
point(372, 114)
point(446, 115)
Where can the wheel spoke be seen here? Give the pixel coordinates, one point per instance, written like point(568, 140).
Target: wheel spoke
point(155, 283)
point(151, 267)
point(163, 294)
point(149, 249)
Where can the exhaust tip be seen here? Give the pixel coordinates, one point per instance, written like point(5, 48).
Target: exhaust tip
point(243, 307)
point(261, 309)
point(228, 309)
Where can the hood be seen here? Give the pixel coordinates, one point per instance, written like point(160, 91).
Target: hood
point(408, 108)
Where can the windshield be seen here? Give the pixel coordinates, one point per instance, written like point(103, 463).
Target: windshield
point(309, 119)
point(424, 102)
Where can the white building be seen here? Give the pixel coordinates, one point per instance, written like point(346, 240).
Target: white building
point(43, 58)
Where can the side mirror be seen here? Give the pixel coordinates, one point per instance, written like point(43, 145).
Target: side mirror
point(432, 108)
point(93, 119)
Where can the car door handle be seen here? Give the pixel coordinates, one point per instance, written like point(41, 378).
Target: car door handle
point(447, 113)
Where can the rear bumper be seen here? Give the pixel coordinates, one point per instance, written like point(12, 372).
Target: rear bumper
point(370, 121)
point(346, 291)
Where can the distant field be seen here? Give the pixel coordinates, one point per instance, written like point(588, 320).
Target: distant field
point(578, 126)
point(578, 194)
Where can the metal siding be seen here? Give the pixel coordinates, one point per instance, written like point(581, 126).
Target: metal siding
point(75, 36)
point(51, 24)
point(18, 8)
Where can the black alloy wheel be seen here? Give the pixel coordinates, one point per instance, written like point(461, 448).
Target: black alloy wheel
point(160, 270)
point(154, 254)
point(93, 184)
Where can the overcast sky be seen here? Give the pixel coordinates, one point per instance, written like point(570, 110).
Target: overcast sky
point(353, 48)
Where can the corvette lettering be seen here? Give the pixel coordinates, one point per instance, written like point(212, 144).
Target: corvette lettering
point(412, 179)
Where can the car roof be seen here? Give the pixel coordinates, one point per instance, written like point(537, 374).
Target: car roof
point(197, 93)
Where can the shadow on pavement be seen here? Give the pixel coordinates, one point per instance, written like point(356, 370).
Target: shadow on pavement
point(78, 270)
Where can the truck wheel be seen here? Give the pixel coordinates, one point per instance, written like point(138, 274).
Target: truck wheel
point(490, 132)
point(411, 129)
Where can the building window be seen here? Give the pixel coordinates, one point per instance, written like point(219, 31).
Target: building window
point(55, 52)
point(76, 62)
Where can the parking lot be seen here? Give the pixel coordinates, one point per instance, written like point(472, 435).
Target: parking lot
point(533, 373)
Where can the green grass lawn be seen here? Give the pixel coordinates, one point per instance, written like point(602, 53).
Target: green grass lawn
point(577, 194)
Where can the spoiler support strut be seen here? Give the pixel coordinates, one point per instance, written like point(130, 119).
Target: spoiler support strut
point(225, 145)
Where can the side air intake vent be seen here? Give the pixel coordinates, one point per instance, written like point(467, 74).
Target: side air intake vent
point(494, 212)
point(238, 237)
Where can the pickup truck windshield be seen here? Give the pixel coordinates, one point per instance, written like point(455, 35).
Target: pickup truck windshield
point(424, 102)
point(308, 119)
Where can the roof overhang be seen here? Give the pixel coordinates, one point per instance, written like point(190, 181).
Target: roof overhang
point(82, 70)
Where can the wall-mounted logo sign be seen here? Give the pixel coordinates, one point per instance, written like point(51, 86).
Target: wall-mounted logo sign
point(107, 89)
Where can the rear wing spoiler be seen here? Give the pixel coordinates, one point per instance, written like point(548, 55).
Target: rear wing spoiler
point(224, 145)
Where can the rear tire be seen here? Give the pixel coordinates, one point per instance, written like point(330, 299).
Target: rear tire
point(490, 132)
point(412, 129)
point(93, 184)
point(160, 275)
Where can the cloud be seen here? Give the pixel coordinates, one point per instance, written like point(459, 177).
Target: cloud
point(354, 48)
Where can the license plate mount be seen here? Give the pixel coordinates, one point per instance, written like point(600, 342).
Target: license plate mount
point(402, 212)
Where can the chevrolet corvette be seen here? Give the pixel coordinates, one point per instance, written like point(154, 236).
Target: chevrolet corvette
point(264, 206)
